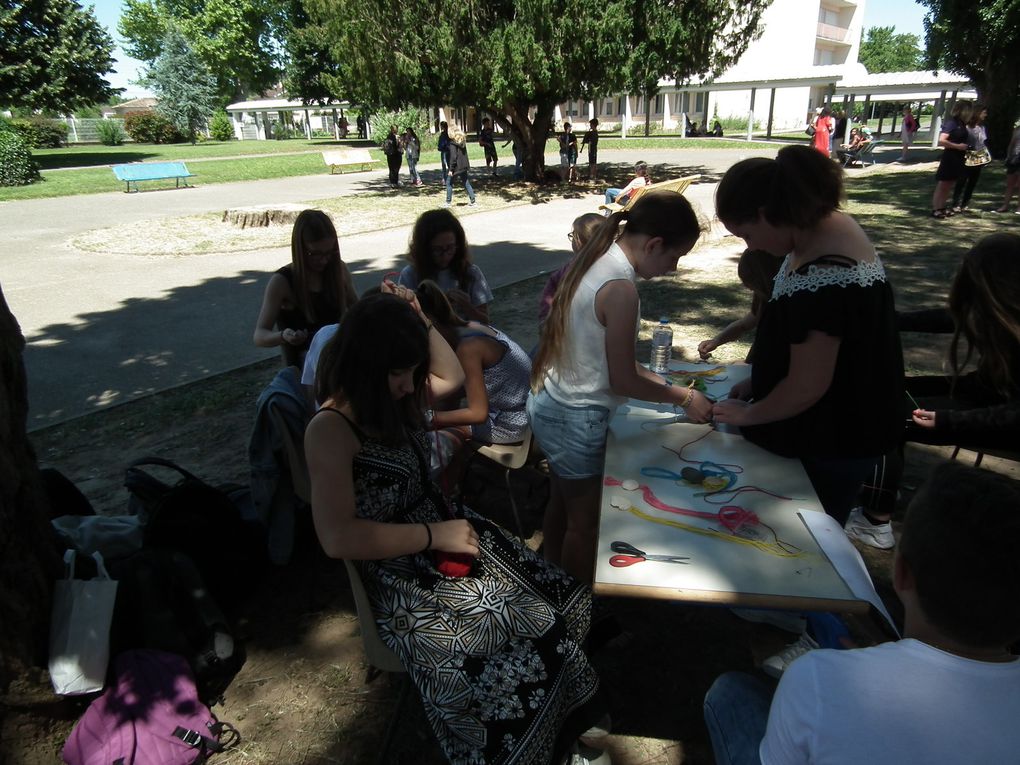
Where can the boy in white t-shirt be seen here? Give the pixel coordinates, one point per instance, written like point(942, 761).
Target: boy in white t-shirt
point(948, 692)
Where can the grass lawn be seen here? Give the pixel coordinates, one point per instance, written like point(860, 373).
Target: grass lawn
point(219, 162)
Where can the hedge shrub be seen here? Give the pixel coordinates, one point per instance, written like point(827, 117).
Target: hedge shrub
point(110, 132)
point(221, 128)
point(41, 133)
point(17, 168)
point(152, 127)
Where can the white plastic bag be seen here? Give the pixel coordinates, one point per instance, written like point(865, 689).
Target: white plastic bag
point(115, 536)
point(80, 629)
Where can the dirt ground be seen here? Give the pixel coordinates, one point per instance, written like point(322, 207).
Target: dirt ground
point(302, 698)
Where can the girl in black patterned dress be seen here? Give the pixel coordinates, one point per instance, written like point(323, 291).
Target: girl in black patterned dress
point(496, 654)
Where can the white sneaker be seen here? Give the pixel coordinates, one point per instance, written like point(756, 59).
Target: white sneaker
point(874, 535)
point(787, 621)
point(472, 204)
point(447, 204)
point(775, 666)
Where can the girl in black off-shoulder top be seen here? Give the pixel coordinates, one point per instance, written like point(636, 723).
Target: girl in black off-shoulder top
point(827, 380)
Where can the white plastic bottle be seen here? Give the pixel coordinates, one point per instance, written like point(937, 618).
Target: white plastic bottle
point(662, 347)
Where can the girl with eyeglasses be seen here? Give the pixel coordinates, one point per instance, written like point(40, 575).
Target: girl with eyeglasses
point(438, 251)
point(314, 290)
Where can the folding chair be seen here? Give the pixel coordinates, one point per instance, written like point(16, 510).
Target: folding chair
point(380, 657)
point(511, 457)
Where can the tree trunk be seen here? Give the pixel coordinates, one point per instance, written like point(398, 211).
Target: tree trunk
point(261, 216)
point(997, 89)
point(531, 133)
point(28, 563)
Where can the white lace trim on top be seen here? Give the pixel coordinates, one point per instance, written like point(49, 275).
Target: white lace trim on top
point(863, 275)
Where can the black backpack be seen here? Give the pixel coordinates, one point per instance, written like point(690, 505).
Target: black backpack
point(205, 523)
point(162, 604)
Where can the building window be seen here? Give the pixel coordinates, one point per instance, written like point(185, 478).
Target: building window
point(658, 104)
point(607, 109)
point(619, 106)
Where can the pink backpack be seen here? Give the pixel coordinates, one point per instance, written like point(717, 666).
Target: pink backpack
point(151, 716)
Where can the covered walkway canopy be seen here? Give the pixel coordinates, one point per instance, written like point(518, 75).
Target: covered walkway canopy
point(841, 80)
point(255, 119)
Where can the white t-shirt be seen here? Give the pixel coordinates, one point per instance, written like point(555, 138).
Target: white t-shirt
point(582, 376)
point(903, 703)
point(319, 341)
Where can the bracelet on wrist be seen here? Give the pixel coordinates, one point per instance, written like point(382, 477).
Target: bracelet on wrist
point(688, 398)
point(428, 531)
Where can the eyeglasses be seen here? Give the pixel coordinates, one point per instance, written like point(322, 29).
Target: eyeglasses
point(570, 236)
point(443, 249)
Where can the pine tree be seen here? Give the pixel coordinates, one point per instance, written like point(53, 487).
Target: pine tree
point(186, 90)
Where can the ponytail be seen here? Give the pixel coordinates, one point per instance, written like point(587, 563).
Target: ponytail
point(436, 305)
point(663, 214)
point(554, 330)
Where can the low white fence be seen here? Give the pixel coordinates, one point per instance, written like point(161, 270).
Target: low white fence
point(85, 131)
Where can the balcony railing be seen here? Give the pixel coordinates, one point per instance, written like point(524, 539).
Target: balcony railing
point(833, 33)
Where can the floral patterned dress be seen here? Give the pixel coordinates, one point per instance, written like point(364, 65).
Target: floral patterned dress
point(496, 655)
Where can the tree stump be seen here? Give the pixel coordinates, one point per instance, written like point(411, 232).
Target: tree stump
point(260, 216)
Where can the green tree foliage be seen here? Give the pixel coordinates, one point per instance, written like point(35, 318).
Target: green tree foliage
point(980, 39)
point(882, 50)
point(53, 55)
point(309, 71)
point(151, 127)
point(517, 59)
point(17, 168)
point(238, 40)
point(186, 90)
point(220, 126)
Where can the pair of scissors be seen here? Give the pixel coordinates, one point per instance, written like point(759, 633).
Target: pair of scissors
point(629, 555)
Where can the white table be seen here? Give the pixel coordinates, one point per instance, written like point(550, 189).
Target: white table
point(760, 551)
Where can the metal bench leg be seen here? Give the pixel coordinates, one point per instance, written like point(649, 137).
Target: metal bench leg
point(513, 504)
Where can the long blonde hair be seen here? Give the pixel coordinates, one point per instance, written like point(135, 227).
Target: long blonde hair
point(664, 214)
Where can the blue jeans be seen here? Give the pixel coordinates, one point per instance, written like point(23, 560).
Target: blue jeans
point(412, 169)
point(572, 437)
point(736, 715)
point(611, 195)
point(467, 187)
point(445, 159)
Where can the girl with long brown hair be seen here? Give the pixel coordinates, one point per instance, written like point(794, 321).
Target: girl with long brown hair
point(313, 291)
point(438, 250)
point(585, 365)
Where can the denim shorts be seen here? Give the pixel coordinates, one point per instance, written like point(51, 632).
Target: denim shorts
point(572, 437)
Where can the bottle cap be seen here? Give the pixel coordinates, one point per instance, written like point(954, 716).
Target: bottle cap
point(664, 320)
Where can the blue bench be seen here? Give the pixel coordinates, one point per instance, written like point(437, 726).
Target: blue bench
point(151, 171)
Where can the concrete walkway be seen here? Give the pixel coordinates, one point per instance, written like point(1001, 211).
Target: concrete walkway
point(103, 329)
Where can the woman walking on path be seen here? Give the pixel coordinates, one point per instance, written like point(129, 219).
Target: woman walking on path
point(394, 155)
point(907, 131)
point(412, 150)
point(953, 140)
point(977, 137)
point(824, 126)
point(459, 165)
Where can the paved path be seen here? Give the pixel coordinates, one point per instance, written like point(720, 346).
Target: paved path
point(103, 329)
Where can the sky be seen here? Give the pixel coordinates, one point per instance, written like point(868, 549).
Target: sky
point(905, 15)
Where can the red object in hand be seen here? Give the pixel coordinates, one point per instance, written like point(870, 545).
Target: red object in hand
point(453, 564)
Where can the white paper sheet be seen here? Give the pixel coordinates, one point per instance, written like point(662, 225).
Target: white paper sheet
point(845, 559)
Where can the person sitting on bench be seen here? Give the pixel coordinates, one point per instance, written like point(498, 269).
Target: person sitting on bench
point(620, 196)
